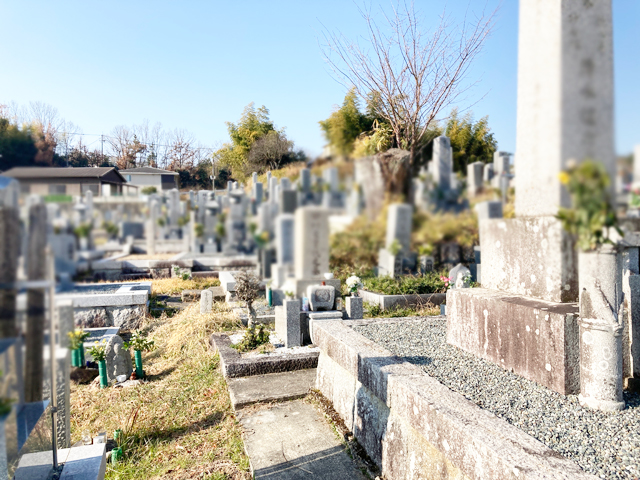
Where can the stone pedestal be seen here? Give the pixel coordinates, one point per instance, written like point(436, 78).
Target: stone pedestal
point(354, 308)
point(536, 339)
point(533, 256)
point(288, 323)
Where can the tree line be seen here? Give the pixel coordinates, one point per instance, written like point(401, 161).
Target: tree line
point(36, 135)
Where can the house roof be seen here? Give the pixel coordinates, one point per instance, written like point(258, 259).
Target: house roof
point(148, 170)
point(60, 172)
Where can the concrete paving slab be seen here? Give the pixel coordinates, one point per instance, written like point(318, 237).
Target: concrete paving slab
point(270, 387)
point(292, 441)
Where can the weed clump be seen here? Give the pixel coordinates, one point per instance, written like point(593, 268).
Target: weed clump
point(253, 338)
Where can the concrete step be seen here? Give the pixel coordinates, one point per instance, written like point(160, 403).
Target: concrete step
point(270, 387)
point(293, 441)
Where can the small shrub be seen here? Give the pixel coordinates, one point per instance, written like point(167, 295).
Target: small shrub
point(180, 273)
point(182, 221)
point(111, 228)
point(253, 338)
point(247, 290)
point(148, 190)
point(395, 247)
point(83, 230)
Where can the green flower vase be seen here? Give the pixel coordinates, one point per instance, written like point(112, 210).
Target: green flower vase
point(137, 354)
point(102, 371)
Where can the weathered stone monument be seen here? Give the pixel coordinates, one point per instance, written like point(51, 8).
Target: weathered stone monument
point(475, 172)
point(525, 316)
point(311, 252)
point(284, 240)
point(396, 257)
point(442, 162)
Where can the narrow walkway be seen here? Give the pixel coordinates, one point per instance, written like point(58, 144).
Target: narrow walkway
point(290, 440)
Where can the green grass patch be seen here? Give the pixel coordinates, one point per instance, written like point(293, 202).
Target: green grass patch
point(372, 310)
point(406, 285)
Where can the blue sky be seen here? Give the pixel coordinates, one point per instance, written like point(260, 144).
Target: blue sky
point(196, 64)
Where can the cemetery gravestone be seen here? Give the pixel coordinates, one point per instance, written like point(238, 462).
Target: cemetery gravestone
point(288, 201)
point(396, 256)
point(442, 162)
point(487, 175)
point(206, 301)
point(284, 241)
point(174, 207)
point(474, 178)
point(311, 250)
point(530, 261)
point(490, 209)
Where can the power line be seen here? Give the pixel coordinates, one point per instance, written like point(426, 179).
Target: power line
point(115, 138)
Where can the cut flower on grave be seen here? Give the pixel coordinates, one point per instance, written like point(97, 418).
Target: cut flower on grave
point(354, 283)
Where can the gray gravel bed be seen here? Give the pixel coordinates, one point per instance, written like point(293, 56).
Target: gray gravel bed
point(604, 444)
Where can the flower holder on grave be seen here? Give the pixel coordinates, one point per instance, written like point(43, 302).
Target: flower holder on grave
point(102, 372)
point(77, 357)
point(137, 355)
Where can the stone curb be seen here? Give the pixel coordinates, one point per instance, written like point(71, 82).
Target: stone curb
point(391, 301)
point(107, 300)
point(233, 365)
point(473, 440)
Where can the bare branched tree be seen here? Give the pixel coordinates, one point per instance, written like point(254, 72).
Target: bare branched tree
point(268, 151)
point(127, 148)
point(408, 74)
point(182, 153)
point(154, 140)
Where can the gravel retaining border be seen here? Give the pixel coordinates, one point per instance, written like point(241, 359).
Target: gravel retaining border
point(603, 444)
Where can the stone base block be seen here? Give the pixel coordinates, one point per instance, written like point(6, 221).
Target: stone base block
point(354, 307)
point(529, 256)
point(288, 323)
point(536, 339)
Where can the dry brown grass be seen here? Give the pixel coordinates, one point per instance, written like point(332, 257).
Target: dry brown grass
point(184, 426)
point(175, 286)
